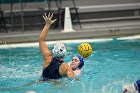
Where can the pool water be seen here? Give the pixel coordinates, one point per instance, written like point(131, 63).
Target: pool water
point(112, 64)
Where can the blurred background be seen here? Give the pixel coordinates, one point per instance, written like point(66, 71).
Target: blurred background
point(26, 15)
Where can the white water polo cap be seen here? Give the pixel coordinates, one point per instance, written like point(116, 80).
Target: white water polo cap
point(59, 50)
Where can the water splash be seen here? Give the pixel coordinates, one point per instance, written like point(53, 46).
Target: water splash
point(113, 87)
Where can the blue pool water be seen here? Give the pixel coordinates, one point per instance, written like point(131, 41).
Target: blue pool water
point(112, 64)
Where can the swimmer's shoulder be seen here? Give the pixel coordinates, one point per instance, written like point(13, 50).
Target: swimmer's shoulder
point(66, 70)
point(63, 69)
point(77, 72)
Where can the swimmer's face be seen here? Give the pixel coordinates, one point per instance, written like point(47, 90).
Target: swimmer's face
point(75, 62)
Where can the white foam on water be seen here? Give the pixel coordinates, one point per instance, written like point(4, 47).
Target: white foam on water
point(31, 91)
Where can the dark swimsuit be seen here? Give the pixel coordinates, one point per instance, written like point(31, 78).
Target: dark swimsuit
point(137, 85)
point(52, 71)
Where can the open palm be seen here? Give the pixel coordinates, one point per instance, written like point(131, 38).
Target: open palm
point(48, 19)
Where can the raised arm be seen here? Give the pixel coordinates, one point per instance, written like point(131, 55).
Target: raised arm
point(42, 45)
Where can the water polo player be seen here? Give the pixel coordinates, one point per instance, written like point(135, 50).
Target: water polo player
point(76, 64)
point(53, 66)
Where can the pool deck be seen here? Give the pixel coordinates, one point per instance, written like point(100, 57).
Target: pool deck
point(88, 31)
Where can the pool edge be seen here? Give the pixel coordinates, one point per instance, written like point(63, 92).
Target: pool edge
point(36, 44)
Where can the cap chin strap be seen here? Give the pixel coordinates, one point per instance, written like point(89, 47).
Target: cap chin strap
point(75, 68)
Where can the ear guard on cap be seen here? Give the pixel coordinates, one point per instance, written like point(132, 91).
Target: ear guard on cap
point(81, 61)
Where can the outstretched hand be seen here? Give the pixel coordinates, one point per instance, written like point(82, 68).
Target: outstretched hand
point(48, 19)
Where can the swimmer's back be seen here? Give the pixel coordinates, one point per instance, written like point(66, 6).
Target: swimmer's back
point(64, 69)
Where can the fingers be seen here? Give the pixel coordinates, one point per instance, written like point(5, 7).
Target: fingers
point(45, 16)
point(54, 20)
point(48, 18)
point(51, 16)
